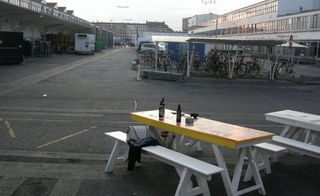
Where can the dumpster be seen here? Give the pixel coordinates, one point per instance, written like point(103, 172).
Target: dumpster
point(11, 51)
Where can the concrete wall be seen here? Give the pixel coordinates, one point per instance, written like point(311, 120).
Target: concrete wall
point(296, 6)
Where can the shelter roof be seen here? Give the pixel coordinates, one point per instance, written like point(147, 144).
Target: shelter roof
point(179, 39)
point(235, 41)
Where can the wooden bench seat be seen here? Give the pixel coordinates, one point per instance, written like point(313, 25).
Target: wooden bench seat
point(297, 146)
point(185, 166)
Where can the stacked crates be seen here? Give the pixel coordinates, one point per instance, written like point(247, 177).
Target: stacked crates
point(60, 43)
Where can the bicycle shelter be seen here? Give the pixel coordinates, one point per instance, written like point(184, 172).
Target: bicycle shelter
point(228, 42)
point(269, 44)
point(168, 39)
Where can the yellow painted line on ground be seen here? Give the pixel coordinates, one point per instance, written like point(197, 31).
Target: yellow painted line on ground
point(64, 138)
point(10, 130)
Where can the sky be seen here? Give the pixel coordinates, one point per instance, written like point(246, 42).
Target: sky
point(139, 11)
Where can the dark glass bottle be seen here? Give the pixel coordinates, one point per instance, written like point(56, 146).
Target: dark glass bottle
point(161, 109)
point(179, 114)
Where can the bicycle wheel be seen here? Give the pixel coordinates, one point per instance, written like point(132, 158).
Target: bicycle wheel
point(223, 70)
point(290, 68)
point(254, 70)
point(281, 70)
point(241, 70)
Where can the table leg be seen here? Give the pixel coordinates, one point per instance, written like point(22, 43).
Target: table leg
point(314, 139)
point(156, 134)
point(237, 171)
point(308, 134)
point(224, 174)
point(166, 141)
point(232, 186)
point(180, 139)
point(285, 131)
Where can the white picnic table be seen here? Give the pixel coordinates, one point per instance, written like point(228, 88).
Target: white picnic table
point(218, 134)
point(298, 125)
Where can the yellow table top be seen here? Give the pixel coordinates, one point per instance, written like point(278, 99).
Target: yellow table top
point(219, 133)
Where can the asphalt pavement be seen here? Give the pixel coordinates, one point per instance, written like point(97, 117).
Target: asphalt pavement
point(54, 112)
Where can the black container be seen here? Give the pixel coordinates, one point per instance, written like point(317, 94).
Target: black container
point(11, 47)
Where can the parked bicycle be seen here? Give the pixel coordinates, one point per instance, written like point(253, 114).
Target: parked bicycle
point(165, 60)
point(182, 64)
point(240, 68)
point(285, 67)
point(253, 68)
point(212, 62)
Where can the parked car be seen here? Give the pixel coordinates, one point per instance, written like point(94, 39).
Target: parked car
point(141, 43)
point(150, 47)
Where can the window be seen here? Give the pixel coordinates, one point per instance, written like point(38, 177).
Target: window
point(315, 21)
point(300, 23)
point(283, 25)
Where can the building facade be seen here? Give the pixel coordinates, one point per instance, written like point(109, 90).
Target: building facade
point(199, 21)
point(43, 23)
point(185, 24)
point(271, 20)
point(130, 32)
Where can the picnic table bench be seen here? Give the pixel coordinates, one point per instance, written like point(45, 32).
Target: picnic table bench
point(185, 166)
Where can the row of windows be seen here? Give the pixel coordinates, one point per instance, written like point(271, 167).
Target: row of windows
point(251, 12)
point(295, 24)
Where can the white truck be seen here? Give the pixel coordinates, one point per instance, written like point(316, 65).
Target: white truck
point(84, 43)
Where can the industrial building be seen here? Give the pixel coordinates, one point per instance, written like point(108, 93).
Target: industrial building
point(197, 21)
point(270, 20)
point(130, 32)
point(46, 27)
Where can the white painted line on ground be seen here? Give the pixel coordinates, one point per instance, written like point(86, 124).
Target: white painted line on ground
point(64, 138)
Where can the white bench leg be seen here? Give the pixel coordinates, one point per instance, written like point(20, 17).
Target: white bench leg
point(265, 162)
point(255, 171)
point(185, 187)
point(113, 157)
point(203, 185)
point(184, 183)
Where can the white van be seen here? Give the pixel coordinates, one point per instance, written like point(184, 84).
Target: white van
point(84, 43)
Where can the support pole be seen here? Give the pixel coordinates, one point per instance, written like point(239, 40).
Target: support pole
point(156, 56)
point(188, 60)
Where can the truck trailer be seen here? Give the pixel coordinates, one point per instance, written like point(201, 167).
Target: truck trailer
point(84, 43)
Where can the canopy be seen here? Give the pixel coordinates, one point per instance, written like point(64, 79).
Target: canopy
point(235, 41)
point(179, 39)
point(294, 45)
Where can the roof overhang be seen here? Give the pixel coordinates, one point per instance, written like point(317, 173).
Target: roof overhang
point(176, 39)
point(235, 41)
